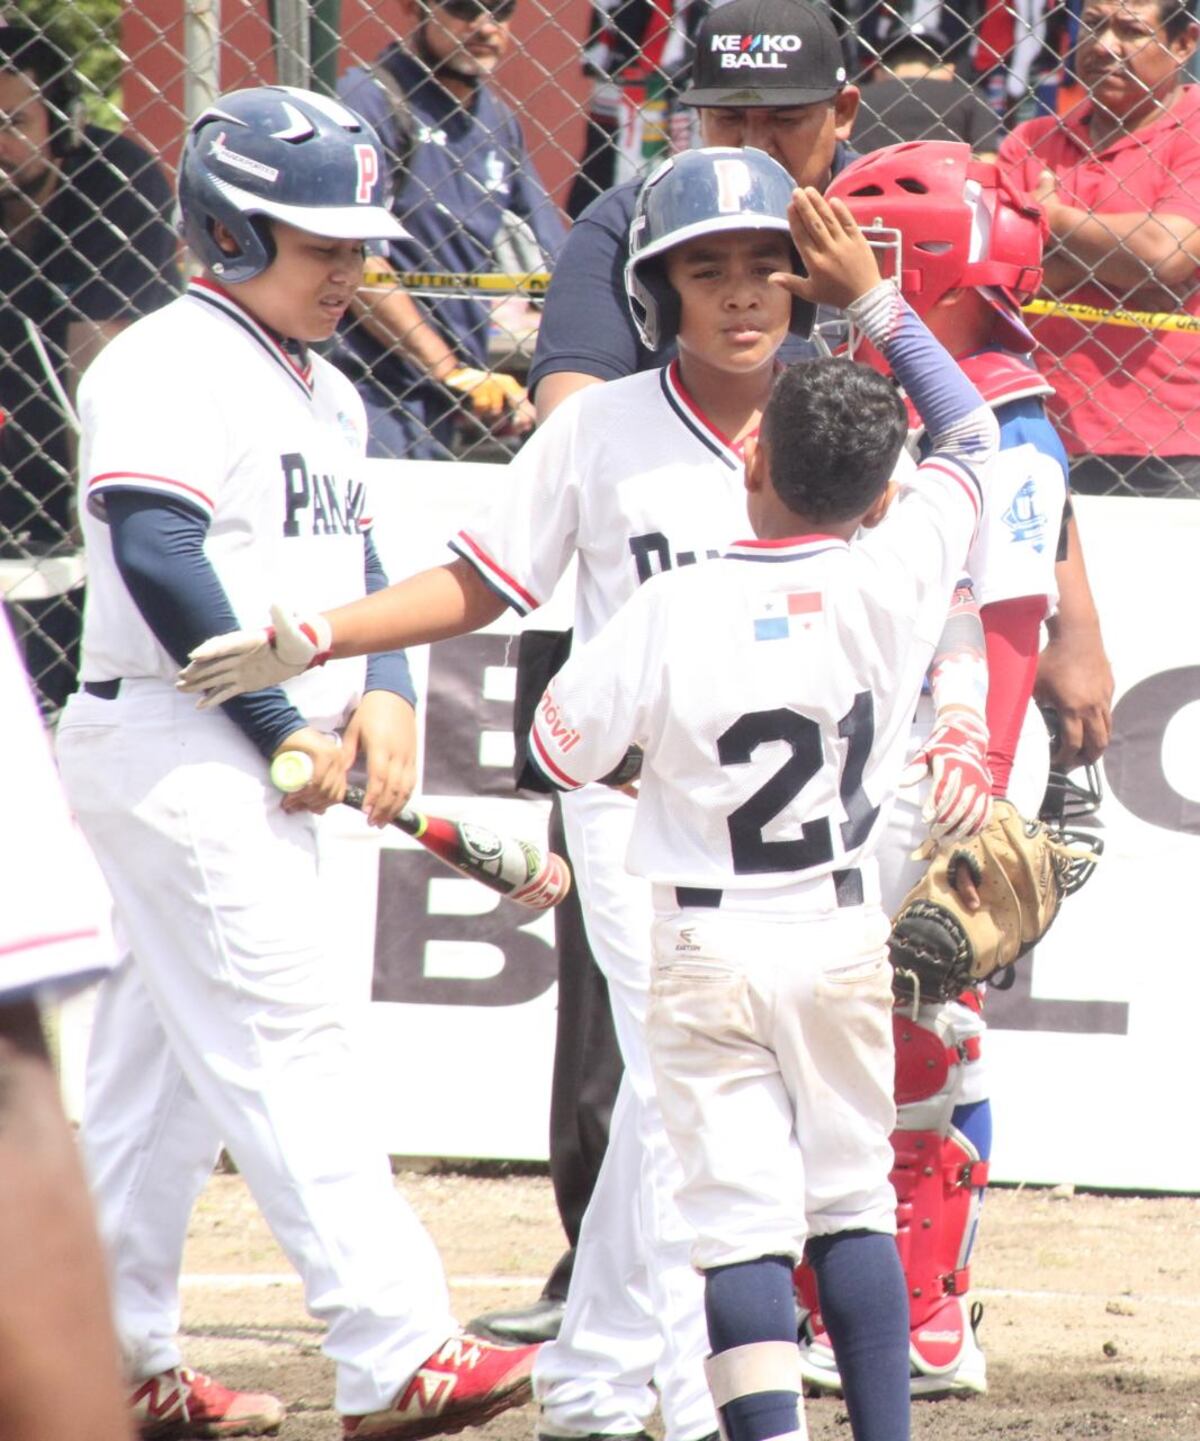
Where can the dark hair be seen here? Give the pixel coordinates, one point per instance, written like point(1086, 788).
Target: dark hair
point(1175, 16)
point(833, 431)
point(918, 42)
point(26, 50)
point(910, 47)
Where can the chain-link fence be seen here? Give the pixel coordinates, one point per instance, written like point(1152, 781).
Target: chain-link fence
point(503, 119)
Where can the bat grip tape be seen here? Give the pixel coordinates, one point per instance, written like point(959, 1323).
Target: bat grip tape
point(410, 821)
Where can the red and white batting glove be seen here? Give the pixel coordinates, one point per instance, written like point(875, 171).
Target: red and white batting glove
point(243, 660)
point(955, 759)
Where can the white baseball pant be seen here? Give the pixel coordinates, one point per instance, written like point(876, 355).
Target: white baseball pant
point(634, 1322)
point(227, 1023)
point(770, 1030)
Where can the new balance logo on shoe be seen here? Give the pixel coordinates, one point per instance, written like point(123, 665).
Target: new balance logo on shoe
point(179, 1404)
point(427, 1393)
point(464, 1383)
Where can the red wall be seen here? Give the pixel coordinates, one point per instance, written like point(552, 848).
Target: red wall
point(541, 77)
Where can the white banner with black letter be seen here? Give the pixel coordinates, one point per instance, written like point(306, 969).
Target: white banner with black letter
point(1086, 1048)
point(1091, 1051)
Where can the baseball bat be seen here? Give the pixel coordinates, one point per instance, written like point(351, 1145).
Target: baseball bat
point(513, 868)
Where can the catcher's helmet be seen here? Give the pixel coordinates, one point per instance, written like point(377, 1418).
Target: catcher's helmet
point(280, 153)
point(701, 192)
point(949, 221)
point(1071, 799)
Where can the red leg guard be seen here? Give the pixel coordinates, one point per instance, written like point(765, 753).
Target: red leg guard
point(939, 1178)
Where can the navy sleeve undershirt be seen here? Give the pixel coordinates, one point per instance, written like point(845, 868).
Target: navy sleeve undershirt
point(158, 545)
point(387, 670)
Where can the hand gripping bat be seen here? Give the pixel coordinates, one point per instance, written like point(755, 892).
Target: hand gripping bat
point(515, 869)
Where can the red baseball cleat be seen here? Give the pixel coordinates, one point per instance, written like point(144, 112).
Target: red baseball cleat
point(182, 1403)
point(464, 1383)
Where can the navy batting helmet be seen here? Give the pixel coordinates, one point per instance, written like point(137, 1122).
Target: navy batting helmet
point(280, 153)
point(701, 192)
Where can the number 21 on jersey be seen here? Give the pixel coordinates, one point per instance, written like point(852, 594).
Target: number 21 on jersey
point(754, 855)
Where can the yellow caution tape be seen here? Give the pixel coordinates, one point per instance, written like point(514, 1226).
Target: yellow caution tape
point(465, 283)
point(535, 282)
point(1133, 319)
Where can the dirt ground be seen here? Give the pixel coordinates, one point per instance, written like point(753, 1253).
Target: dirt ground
point(1091, 1322)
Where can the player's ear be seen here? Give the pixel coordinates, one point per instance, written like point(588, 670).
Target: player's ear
point(879, 507)
point(224, 238)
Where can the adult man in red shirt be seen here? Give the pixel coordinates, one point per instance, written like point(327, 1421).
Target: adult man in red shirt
point(1119, 178)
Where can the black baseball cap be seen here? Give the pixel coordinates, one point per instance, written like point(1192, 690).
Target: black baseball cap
point(752, 53)
point(919, 39)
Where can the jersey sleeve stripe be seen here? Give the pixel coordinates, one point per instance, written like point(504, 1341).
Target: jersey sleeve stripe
point(557, 777)
point(137, 480)
point(31, 943)
point(965, 479)
point(500, 581)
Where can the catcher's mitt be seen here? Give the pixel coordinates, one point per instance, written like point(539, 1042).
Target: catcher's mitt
point(1021, 869)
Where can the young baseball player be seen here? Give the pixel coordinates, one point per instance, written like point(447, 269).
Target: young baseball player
point(221, 461)
point(966, 250)
point(772, 694)
point(633, 477)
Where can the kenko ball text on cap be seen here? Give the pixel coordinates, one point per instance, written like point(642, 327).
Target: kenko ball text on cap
point(754, 53)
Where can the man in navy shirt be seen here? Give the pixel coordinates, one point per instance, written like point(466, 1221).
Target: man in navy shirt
point(462, 172)
point(85, 248)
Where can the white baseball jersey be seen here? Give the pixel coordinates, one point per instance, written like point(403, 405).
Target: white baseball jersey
point(629, 475)
point(772, 693)
point(268, 450)
point(1015, 548)
point(54, 920)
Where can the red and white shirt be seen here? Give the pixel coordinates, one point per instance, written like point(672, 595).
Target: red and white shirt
point(1119, 390)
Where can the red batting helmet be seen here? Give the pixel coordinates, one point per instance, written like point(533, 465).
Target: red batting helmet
point(951, 221)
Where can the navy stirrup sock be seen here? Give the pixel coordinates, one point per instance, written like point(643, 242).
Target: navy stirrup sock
point(864, 1305)
point(745, 1303)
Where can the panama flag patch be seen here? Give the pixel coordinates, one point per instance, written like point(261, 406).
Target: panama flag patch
point(778, 616)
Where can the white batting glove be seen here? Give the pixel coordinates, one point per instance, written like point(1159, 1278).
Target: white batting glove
point(244, 660)
point(954, 757)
